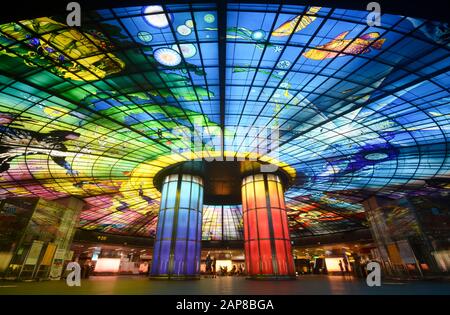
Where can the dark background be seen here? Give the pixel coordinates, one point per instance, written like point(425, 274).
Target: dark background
point(19, 9)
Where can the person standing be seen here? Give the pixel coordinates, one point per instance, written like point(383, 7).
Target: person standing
point(341, 267)
point(214, 266)
point(208, 263)
point(346, 265)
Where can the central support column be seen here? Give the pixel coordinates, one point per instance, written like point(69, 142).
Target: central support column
point(176, 253)
point(266, 234)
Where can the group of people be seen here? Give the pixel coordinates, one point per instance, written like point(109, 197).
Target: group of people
point(359, 267)
point(235, 271)
point(211, 271)
point(345, 268)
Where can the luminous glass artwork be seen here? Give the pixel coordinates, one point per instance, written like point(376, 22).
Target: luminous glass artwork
point(266, 233)
point(222, 223)
point(177, 245)
point(95, 112)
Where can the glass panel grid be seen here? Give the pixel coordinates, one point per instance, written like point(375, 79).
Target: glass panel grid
point(361, 110)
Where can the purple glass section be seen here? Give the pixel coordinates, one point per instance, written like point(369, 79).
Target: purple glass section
point(156, 255)
point(167, 227)
point(178, 236)
point(180, 257)
point(183, 221)
point(191, 258)
point(193, 228)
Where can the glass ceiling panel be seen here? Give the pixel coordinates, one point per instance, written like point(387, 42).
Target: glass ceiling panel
point(95, 112)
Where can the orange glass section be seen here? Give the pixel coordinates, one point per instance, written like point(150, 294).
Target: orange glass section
point(267, 242)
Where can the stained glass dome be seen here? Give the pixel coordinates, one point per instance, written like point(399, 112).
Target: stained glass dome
point(97, 111)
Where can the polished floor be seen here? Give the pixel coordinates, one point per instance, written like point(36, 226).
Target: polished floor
point(224, 286)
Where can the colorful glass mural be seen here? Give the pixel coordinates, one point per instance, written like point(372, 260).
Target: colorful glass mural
point(95, 112)
point(222, 223)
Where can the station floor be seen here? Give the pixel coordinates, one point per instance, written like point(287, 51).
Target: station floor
point(138, 285)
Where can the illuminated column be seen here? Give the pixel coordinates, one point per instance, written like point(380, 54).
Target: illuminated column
point(268, 250)
point(176, 253)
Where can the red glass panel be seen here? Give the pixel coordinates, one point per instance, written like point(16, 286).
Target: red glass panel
point(250, 196)
point(257, 231)
point(266, 257)
point(281, 194)
point(247, 255)
point(273, 193)
point(277, 224)
point(290, 258)
point(244, 199)
point(285, 224)
point(254, 258)
point(281, 257)
point(263, 224)
point(245, 217)
point(260, 195)
point(252, 225)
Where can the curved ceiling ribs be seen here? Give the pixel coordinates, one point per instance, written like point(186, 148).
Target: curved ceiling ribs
point(360, 109)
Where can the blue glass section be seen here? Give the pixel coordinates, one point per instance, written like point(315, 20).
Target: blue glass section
point(185, 194)
point(183, 220)
point(194, 194)
point(164, 257)
point(180, 257)
point(181, 225)
point(191, 257)
point(171, 194)
point(168, 224)
point(193, 225)
point(155, 257)
point(199, 226)
point(163, 197)
point(198, 257)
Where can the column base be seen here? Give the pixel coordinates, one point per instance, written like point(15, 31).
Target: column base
point(175, 277)
point(271, 277)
